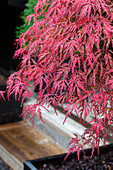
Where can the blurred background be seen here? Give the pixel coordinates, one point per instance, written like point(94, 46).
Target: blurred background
point(10, 19)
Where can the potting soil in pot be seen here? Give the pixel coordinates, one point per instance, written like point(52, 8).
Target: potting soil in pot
point(102, 162)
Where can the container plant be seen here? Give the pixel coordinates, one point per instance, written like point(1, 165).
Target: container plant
point(9, 109)
point(70, 50)
point(103, 161)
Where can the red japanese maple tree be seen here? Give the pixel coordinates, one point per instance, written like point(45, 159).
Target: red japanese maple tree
point(70, 49)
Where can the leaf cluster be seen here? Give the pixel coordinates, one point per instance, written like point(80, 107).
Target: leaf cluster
point(68, 55)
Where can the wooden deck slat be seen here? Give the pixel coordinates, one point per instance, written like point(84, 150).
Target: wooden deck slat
point(24, 143)
point(70, 127)
point(14, 148)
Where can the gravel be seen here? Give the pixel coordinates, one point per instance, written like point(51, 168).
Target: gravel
point(102, 162)
point(4, 166)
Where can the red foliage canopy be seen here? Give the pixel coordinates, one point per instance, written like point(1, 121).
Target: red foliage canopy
point(71, 51)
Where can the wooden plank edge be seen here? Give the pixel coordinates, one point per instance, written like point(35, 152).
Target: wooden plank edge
point(68, 128)
point(10, 126)
point(10, 159)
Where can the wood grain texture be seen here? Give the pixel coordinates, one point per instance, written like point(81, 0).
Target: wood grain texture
point(24, 143)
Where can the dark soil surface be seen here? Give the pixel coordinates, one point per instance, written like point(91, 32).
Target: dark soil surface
point(102, 162)
point(4, 166)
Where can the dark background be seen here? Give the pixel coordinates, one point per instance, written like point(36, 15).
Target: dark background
point(10, 18)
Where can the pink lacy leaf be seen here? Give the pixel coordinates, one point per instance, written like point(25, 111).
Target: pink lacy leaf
point(68, 56)
point(2, 94)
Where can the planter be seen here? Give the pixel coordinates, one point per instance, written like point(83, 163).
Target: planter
point(9, 110)
point(103, 161)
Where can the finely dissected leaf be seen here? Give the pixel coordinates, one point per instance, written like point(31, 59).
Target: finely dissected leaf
point(2, 94)
point(68, 56)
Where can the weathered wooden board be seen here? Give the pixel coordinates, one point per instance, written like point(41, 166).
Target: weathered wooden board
point(69, 128)
point(24, 143)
